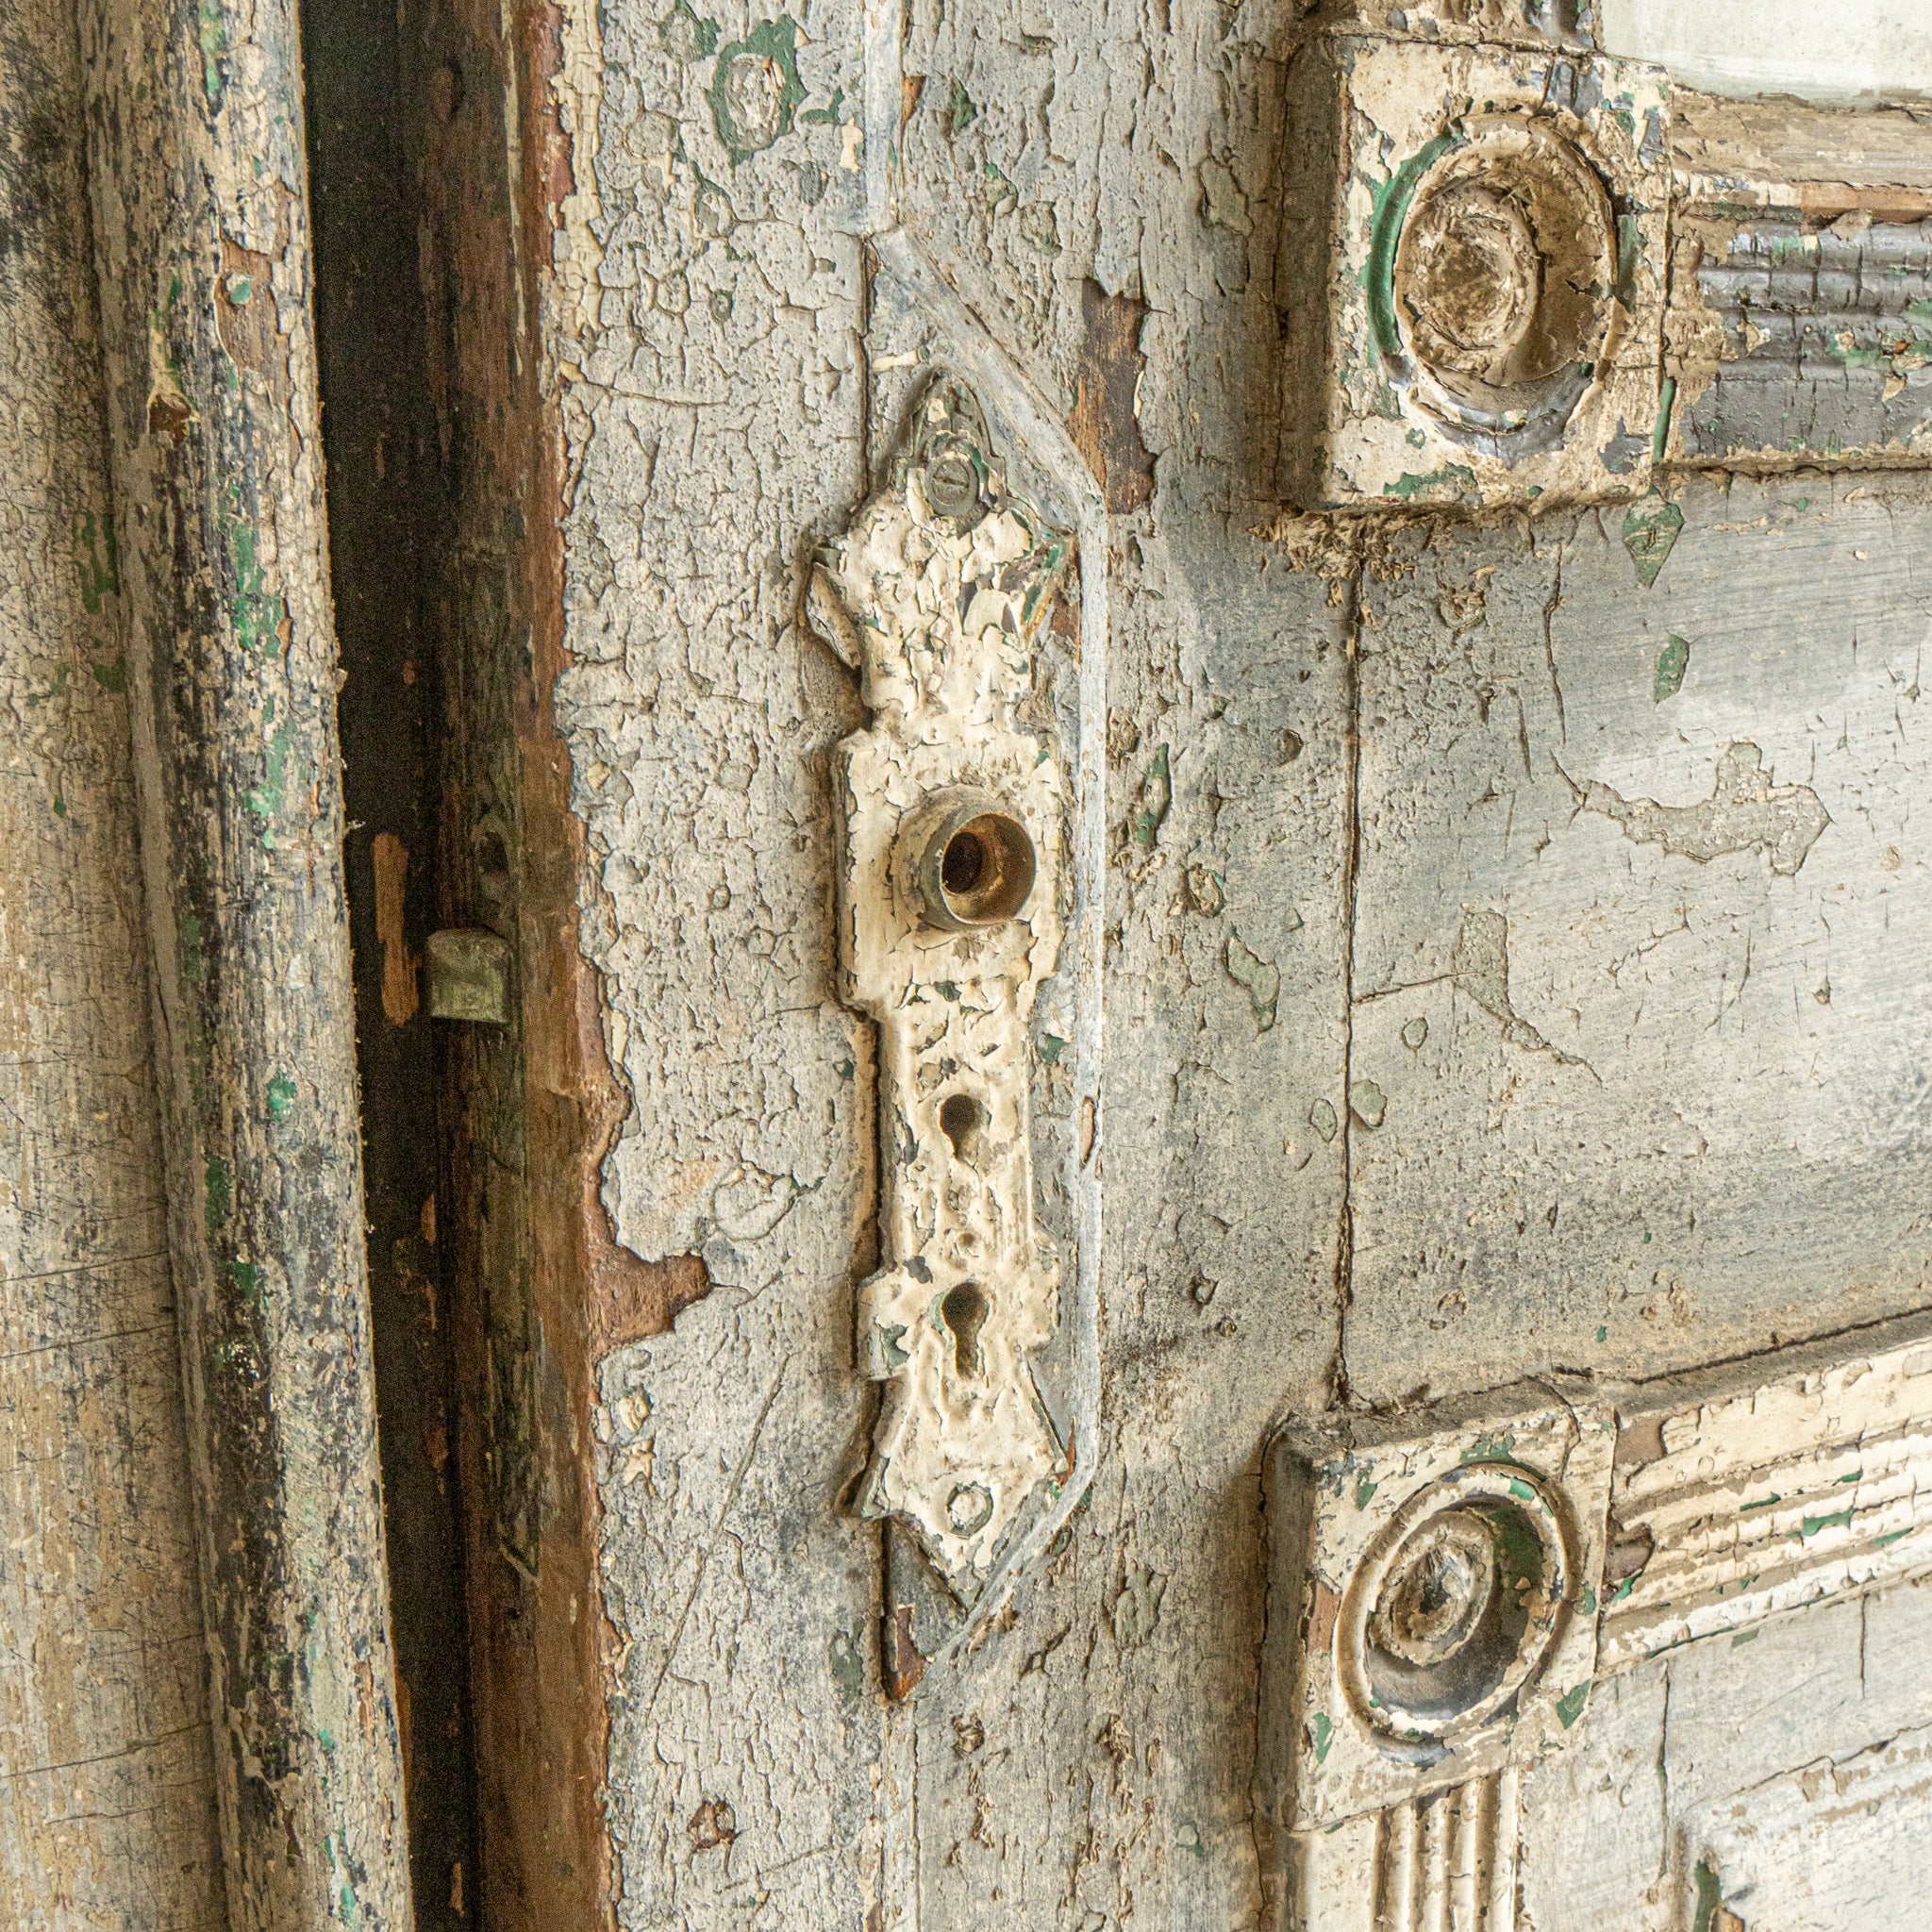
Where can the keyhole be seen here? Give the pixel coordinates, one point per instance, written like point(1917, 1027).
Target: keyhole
point(964, 1311)
point(960, 1119)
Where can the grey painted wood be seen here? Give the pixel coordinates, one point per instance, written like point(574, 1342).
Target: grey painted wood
point(107, 1777)
point(197, 176)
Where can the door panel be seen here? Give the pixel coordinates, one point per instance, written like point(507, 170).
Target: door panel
point(1636, 937)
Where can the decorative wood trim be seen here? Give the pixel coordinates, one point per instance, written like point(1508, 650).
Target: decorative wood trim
point(1432, 1601)
point(1784, 1480)
point(194, 118)
point(1800, 319)
point(1732, 1494)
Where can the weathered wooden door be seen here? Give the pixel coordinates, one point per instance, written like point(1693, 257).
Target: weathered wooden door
point(1244, 807)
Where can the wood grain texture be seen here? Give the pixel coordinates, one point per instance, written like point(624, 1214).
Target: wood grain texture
point(1638, 1112)
point(1809, 1728)
point(106, 1779)
point(197, 176)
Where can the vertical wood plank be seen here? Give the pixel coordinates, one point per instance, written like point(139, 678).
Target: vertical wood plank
point(195, 116)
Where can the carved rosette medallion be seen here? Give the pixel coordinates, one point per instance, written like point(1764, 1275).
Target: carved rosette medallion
point(1432, 1616)
point(1456, 1606)
point(949, 922)
point(1475, 312)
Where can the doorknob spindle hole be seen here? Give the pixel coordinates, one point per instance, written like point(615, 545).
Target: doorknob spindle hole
point(964, 1312)
point(986, 871)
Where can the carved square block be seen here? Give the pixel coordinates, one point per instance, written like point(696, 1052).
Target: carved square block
point(1433, 1586)
point(1473, 267)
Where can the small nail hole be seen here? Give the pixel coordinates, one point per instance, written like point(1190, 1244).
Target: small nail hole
point(960, 1119)
point(964, 1312)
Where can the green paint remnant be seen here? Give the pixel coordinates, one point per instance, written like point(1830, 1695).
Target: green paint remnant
point(1623, 1588)
point(1414, 1032)
point(192, 964)
point(256, 613)
point(1522, 1492)
point(1415, 439)
point(1896, 1536)
point(1412, 486)
point(947, 989)
point(1629, 252)
point(214, 44)
point(1857, 1475)
point(1365, 1487)
point(1190, 1836)
point(1260, 977)
point(1740, 1638)
point(281, 1098)
point(1672, 662)
point(755, 88)
point(1839, 1519)
point(1323, 1734)
point(53, 691)
point(1589, 1601)
point(60, 806)
point(1660, 429)
point(246, 1276)
point(686, 37)
point(1803, 503)
point(1156, 795)
point(1491, 1449)
point(265, 801)
point(1322, 1119)
point(1570, 1706)
point(829, 115)
point(1050, 1048)
point(100, 568)
point(1650, 533)
point(960, 110)
point(1762, 1503)
point(1368, 1103)
point(1709, 1897)
point(111, 676)
point(1602, 1334)
point(220, 1193)
point(1389, 211)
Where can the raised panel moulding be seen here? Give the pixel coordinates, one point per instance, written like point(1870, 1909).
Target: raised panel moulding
point(1783, 1480)
point(1800, 318)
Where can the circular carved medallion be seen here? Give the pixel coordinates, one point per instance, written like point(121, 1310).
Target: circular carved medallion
point(1456, 1605)
point(1504, 279)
